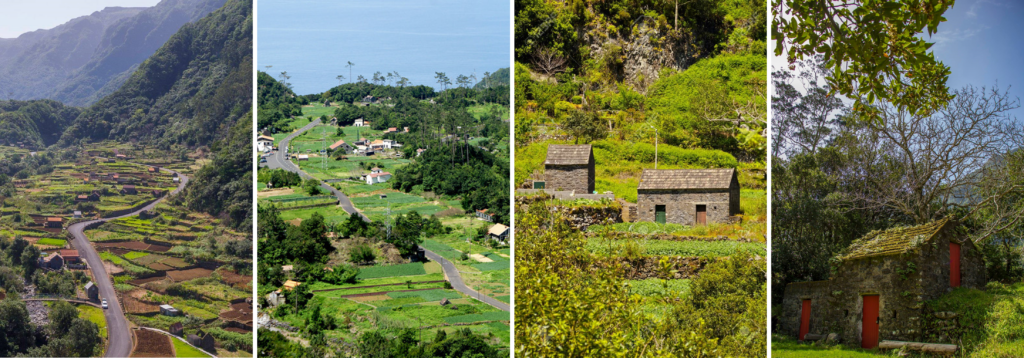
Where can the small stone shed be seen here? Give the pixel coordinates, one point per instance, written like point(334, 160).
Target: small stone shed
point(880, 283)
point(569, 168)
point(688, 196)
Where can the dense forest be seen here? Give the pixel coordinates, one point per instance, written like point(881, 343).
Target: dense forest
point(36, 124)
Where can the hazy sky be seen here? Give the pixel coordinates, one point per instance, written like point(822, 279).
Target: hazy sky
point(19, 16)
point(982, 43)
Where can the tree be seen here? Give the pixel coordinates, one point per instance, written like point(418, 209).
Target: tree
point(312, 187)
point(340, 78)
point(61, 315)
point(873, 49)
point(362, 253)
point(350, 65)
point(804, 122)
point(84, 336)
point(299, 296)
point(929, 166)
point(584, 125)
point(29, 258)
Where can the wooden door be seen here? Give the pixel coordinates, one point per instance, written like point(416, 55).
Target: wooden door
point(954, 264)
point(702, 214)
point(805, 319)
point(659, 214)
point(869, 335)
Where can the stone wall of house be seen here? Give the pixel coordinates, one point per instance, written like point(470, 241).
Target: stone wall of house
point(897, 280)
point(792, 306)
point(579, 178)
point(972, 266)
point(681, 205)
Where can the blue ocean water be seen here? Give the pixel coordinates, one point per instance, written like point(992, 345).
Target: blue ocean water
point(314, 39)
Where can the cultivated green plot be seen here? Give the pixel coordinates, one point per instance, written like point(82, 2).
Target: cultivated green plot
point(410, 269)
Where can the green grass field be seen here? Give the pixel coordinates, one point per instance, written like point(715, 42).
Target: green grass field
point(94, 315)
point(182, 349)
point(605, 247)
point(52, 242)
point(135, 255)
point(410, 269)
point(479, 317)
point(427, 296)
point(784, 347)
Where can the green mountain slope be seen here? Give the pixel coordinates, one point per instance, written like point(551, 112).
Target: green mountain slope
point(191, 91)
point(34, 123)
point(501, 77)
point(125, 45)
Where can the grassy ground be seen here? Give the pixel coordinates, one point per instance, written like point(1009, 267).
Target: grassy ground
point(182, 349)
point(783, 347)
point(94, 315)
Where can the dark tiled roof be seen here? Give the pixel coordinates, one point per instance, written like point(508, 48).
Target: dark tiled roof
point(686, 178)
point(559, 154)
point(893, 241)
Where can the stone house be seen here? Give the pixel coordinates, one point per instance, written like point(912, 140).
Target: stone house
point(129, 190)
point(92, 291)
point(569, 168)
point(688, 196)
point(53, 261)
point(202, 340)
point(879, 285)
point(177, 329)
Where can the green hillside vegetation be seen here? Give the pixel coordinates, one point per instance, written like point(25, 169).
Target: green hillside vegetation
point(37, 124)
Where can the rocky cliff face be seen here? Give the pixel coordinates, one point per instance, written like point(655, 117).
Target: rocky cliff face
point(642, 54)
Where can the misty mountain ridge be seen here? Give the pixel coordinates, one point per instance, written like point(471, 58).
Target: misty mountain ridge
point(91, 56)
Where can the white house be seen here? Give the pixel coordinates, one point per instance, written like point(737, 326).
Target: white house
point(303, 157)
point(379, 145)
point(360, 122)
point(264, 143)
point(378, 177)
point(168, 310)
point(420, 151)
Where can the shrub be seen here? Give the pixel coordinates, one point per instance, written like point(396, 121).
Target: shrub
point(362, 253)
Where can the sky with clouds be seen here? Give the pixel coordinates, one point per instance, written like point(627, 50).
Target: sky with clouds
point(19, 17)
point(982, 42)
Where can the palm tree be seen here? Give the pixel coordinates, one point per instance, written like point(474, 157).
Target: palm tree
point(340, 78)
point(349, 65)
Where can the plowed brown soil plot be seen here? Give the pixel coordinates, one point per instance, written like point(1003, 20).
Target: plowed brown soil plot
point(152, 344)
point(159, 267)
point(234, 278)
point(185, 275)
point(143, 281)
point(175, 262)
point(132, 305)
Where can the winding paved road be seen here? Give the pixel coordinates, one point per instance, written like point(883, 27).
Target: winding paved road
point(279, 160)
point(119, 343)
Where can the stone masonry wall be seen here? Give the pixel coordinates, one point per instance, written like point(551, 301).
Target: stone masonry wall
point(681, 205)
point(792, 305)
point(569, 177)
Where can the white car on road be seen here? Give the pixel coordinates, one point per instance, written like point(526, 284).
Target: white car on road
point(104, 303)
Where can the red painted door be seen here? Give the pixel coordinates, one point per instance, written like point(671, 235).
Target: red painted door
point(954, 264)
point(869, 336)
point(805, 319)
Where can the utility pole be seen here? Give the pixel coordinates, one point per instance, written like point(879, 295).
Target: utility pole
point(655, 145)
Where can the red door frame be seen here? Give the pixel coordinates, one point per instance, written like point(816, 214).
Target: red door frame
point(869, 333)
point(805, 319)
point(954, 264)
